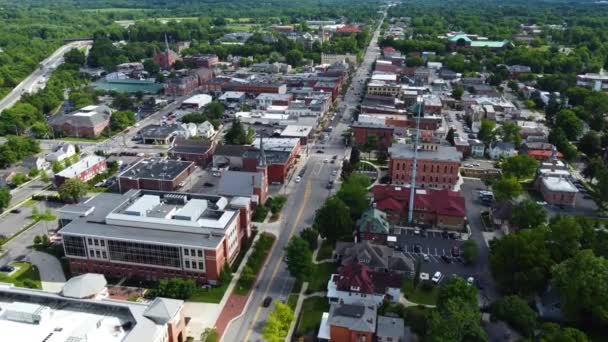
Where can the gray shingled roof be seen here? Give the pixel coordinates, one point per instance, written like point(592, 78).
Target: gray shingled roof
point(390, 327)
point(357, 317)
point(238, 183)
point(162, 310)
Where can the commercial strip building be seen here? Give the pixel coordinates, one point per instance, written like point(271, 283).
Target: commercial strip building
point(85, 169)
point(438, 165)
point(153, 235)
point(82, 312)
point(155, 174)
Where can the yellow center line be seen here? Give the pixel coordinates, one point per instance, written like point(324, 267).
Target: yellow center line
point(276, 268)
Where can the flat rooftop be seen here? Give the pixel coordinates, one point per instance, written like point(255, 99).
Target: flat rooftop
point(296, 131)
point(82, 165)
point(72, 320)
point(157, 168)
point(442, 152)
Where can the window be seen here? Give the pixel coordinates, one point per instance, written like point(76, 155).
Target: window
point(193, 265)
point(90, 241)
point(186, 252)
point(91, 253)
point(424, 168)
point(97, 254)
point(96, 242)
point(102, 242)
point(201, 266)
point(145, 254)
point(192, 252)
point(445, 169)
point(104, 254)
point(200, 252)
point(187, 263)
point(74, 246)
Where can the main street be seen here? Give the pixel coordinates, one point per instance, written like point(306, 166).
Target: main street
point(37, 79)
point(303, 201)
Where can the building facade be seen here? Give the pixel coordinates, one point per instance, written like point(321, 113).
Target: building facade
point(84, 170)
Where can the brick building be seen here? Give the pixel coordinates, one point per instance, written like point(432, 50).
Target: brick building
point(202, 60)
point(199, 151)
point(153, 235)
point(438, 208)
point(85, 169)
point(166, 59)
point(180, 86)
point(363, 131)
point(155, 174)
point(558, 191)
point(87, 122)
point(437, 165)
point(252, 185)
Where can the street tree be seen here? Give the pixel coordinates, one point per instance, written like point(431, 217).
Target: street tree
point(593, 168)
point(487, 131)
point(565, 233)
point(238, 135)
point(371, 144)
point(457, 93)
point(5, 198)
point(515, 311)
point(72, 190)
point(470, 250)
point(510, 132)
point(507, 188)
point(552, 332)
point(569, 123)
point(299, 258)
point(581, 282)
point(456, 287)
point(521, 166)
point(333, 220)
point(458, 321)
point(311, 236)
point(120, 120)
point(520, 262)
point(528, 214)
point(353, 193)
point(450, 137)
point(278, 322)
point(590, 144)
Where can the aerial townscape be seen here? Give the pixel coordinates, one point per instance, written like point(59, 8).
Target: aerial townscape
point(336, 170)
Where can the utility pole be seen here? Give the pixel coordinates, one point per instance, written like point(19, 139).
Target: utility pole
point(410, 213)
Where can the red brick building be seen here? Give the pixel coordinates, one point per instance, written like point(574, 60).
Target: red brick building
point(331, 87)
point(438, 208)
point(155, 174)
point(180, 86)
point(166, 59)
point(363, 131)
point(199, 151)
point(87, 122)
point(202, 60)
point(85, 169)
point(154, 235)
point(257, 88)
point(438, 165)
point(558, 190)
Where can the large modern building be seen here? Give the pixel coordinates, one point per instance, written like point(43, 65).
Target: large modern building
point(153, 235)
point(438, 165)
point(82, 312)
point(155, 174)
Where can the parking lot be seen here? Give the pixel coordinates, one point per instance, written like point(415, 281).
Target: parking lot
point(435, 249)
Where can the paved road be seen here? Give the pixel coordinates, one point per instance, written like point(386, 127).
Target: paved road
point(305, 198)
point(40, 76)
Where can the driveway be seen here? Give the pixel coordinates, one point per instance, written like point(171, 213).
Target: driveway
point(51, 273)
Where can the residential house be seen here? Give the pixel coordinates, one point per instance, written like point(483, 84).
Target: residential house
point(500, 214)
point(540, 151)
point(500, 149)
point(477, 148)
point(378, 258)
point(35, 163)
point(356, 282)
point(373, 226)
point(354, 322)
point(61, 152)
point(206, 130)
point(391, 329)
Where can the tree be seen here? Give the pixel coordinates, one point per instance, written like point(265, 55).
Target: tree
point(601, 186)
point(507, 188)
point(581, 282)
point(558, 138)
point(215, 110)
point(450, 137)
point(151, 67)
point(72, 190)
point(209, 335)
point(417, 269)
point(238, 135)
point(510, 132)
point(294, 58)
point(528, 214)
point(120, 120)
point(569, 123)
point(176, 288)
point(521, 166)
point(565, 234)
point(19, 178)
point(299, 258)
point(370, 144)
point(74, 56)
point(594, 168)
point(355, 156)
point(333, 220)
point(520, 262)
point(456, 287)
point(552, 332)
point(311, 236)
point(552, 108)
point(353, 193)
point(590, 144)
point(487, 131)
point(5, 198)
point(278, 323)
point(469, 251)
point(516, 312)
point(122, 102)
point(457, 93)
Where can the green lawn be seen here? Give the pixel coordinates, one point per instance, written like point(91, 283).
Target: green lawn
point(326, 251)
point(75, 139)
point(320, 277)
point(239, 27)
point(419, 295)
point(30, 202)
point(292, 300)
point(26, 276)
point(212, 295)
point(312, 310)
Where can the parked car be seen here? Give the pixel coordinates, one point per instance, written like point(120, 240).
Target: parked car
point(319, 151)
point(446, 259)
point(437, 277)
point(16, 211)
point(267, 302)
point(417, 248)
point(298, 179)
point(425, 257)
point(471, 280)
point(455, 251)
point(7, 268)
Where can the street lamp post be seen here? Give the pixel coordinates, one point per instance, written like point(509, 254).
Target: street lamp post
point(410, 214)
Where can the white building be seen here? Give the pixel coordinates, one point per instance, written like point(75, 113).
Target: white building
point(197, 101)
point(206, 130)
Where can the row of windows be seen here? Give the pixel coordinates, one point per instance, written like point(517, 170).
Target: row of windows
point(96, 242)
point(403, 166)
point(436, 179)
point(193, 265)
point(74, 246)
point(142, 253)
point(97, 254)
point(193, 252)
